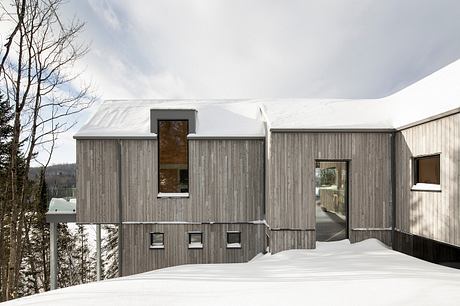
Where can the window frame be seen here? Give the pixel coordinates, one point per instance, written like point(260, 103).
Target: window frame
point(173, 194)
point(195, 246)
point(418, 186)
point(157, 246)
point(233, 245)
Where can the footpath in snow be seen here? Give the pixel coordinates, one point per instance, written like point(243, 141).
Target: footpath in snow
point(336, 273)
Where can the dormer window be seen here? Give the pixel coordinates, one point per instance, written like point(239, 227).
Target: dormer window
point(173, 156)
point(172, 126)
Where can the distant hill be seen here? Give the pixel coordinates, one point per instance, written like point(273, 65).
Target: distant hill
point(60, 179)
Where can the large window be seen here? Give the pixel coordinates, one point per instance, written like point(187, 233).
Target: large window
point(173, 156)
point(427, 171)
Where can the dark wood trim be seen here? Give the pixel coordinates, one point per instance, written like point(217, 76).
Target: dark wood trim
point(120, 212)
point(393, 186)
point(425, 248)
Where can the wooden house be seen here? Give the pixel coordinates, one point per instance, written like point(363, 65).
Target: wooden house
point(214, 181)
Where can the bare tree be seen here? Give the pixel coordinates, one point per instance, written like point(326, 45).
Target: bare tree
point(39, 81)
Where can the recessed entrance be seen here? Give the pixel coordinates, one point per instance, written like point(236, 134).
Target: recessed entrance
point(331, 200)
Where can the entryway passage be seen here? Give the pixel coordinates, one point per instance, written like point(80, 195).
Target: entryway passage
point(331, 200)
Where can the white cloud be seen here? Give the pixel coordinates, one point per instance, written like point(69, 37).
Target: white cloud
point(264, 48)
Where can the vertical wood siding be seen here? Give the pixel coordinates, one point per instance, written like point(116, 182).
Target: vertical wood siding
point(138, 257)
point(97, 185)
point(433, 215)
point(291, 180)
point(226, 182)
point(281, 240)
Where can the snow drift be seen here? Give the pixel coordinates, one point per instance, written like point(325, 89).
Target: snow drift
point(336, 273)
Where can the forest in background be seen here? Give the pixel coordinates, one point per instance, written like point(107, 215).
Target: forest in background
point(41, 95)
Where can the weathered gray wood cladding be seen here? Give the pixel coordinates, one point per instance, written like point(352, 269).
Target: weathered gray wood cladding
point(291, 181)
point(97, 184)
point(433, 215)
point(226, 182)
point(140, 258)
point(281, 240)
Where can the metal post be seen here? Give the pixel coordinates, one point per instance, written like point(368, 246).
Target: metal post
point(53, 255)
point(98, 251)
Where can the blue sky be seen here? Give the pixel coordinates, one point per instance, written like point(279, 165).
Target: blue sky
point(260, 48)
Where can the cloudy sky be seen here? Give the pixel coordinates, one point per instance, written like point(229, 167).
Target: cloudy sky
point(261, 48)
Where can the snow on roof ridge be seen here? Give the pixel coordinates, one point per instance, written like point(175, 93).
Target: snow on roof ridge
point(435, 94)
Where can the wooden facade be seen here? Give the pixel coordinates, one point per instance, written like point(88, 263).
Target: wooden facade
point(430, 214)
point(234, 182)
point(138, 257)
point(226, 182)
point(291, 182)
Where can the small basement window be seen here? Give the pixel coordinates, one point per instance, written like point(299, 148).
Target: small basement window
point(157, 240)
point(233, 240)
point(195, 240)
point(427, 174)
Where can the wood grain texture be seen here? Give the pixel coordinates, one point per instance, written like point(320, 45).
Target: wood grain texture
point(97, 185)
point(291, 180)
point(226, 182)
point(281, 240)
point(138, 257)
point(433, 215)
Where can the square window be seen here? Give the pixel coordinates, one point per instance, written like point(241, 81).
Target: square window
point(427, 174)
point(195, 240)
point(233, 240)
point(157, 240)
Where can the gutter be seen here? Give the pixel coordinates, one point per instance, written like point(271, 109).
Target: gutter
point(393, 188)
point(120, 212)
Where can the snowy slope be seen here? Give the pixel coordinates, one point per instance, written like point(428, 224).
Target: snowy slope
point(336, 273)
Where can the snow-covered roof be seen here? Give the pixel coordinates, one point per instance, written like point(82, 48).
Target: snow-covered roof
point(61, 210)
point(433, 95)
point(131, 118)
point(436, 94)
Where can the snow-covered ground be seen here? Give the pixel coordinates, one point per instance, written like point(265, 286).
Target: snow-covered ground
point(336, 273)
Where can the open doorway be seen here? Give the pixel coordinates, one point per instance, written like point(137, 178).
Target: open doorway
point(331, 200)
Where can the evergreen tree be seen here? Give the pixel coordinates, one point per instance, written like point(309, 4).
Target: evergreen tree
point(110, 252)
point(85, 259)
point(6, 131)
point(67, 265)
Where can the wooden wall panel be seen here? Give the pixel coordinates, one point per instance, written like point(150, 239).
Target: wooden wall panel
point(291, 181)
point(97, 185)
point(281, 240)
point(226, 182)
point(138, 257)
point(433, 215)
point(360, 235)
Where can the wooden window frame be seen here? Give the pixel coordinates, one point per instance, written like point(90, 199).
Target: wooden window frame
point(418, 186)
point(195, 246)
point(157, 246)
point(174, 194)
point(233, 245)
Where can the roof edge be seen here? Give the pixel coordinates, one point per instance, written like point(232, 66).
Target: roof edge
point(429, 119)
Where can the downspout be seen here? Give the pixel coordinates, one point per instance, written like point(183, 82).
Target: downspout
point(120, 213)
point(393, 188)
